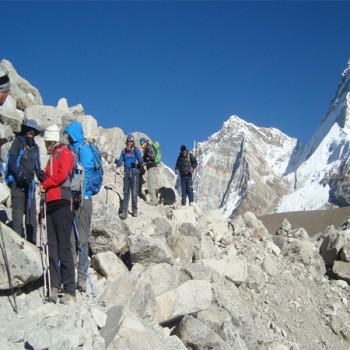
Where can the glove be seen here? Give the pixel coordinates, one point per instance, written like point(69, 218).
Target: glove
point(41, 176)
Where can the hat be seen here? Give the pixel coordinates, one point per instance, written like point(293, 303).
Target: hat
point(31, 125)
point(183, 148)
point(142, 141)
point(130, 137)
point(52, 133)
point(4, 81)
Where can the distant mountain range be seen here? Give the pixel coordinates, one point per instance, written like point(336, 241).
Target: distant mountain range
point(244, 167)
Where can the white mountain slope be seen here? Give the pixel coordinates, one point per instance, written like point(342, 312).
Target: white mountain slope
point(239, 163)
point(323, 155)
point(244, 167)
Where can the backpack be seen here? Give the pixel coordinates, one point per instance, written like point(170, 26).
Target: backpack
point(97, 174)
point(158, 153)
point(96, 178)
point(9, 178)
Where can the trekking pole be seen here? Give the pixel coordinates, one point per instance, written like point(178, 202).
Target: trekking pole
point(44, 247)
point(3, 248)
point(83, 256)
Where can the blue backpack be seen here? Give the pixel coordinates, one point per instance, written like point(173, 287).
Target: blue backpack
point(9, 178)
point(97, 174)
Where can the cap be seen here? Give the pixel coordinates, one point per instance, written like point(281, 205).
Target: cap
point(52, 133)
point(142, 141)
point(183, 148)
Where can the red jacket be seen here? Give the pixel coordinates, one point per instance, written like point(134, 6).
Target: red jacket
point(59, 168)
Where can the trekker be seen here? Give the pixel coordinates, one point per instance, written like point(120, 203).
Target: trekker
point(4, 86)
point(185, 164)
point(152, 170)
point(82, 204)
point(132, 158)
point(59, 215)
point(23, 164)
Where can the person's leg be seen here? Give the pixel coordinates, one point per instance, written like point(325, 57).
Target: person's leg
point(63, 220)
point(152, 185)
point(53, 251)
point(18, 199)
point(183, 190)
point(83, 221)
point(134, 192)
point(125, 202)
point(31, 218)
point(190, 190)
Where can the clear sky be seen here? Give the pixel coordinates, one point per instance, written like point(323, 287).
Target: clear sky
point(176, 70)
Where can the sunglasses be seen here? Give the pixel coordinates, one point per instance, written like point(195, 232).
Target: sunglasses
point(130, 141)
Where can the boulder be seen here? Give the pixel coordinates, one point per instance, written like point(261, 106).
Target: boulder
point(23, 258)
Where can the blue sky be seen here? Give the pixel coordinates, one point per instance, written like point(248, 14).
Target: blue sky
point(177, 70)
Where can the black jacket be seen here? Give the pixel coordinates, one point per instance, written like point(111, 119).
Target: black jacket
point(184, 163)
point(149, 156)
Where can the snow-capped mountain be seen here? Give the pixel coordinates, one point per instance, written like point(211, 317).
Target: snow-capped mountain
point(245, 167)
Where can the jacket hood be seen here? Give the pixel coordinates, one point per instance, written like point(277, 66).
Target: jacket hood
point(75, 131)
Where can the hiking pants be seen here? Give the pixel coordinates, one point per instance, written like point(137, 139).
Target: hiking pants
point(152, 184)
point(83, 221)
point(59, 230)
point(186, 189)
point(22, 205)
point(131, 186)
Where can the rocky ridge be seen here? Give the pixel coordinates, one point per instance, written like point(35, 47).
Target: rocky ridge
point(175, 277)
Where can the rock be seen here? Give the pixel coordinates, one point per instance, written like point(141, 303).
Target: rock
point(191, 296)
point(108, 265)
point(182, 247)
point(148, 250)
point(131, 292)
point(125, 330)
point(197, 335)
point(23, 258)
point(342, 270)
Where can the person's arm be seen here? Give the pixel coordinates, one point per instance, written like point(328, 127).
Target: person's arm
point(193, 161)
point(13, 155)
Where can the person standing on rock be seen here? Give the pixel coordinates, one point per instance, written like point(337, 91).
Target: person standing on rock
point(132, 158)
point(152, 170)
point(83, 206)
point(4, 86)
point(185, 165)
point(23, 164)
point(59, 214)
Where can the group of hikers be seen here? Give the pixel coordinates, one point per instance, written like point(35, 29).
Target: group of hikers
point(66, 213)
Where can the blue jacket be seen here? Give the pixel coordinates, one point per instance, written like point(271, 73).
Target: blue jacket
point(132, 159)
point(83, 151)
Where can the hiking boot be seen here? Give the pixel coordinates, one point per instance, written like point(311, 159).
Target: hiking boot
point(53, 295)
point(123, 215)
point(135, 214)
point(67, 299)
point(81, 286)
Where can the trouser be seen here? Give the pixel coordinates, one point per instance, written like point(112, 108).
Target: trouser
point(152, 184)
point(83, 221)
point(131, 186)
point(186, 189)
point(59, 230)
point(24, 204)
